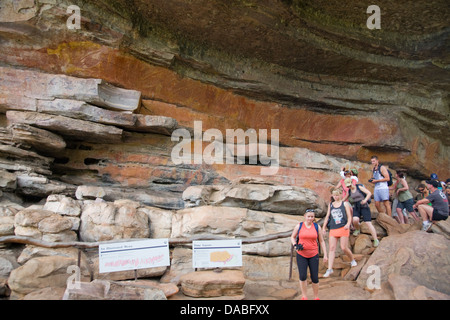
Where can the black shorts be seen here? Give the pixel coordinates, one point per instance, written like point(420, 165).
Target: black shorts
point(437, 215)
point(408, 205)
point(362, 211)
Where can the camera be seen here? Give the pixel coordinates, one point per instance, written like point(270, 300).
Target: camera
point(299, 247)
point(370, 180)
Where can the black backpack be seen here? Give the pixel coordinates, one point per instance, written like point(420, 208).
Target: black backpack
point(389, 182)
point(365, 194)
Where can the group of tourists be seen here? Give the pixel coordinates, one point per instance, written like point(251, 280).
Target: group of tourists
point(349, 206)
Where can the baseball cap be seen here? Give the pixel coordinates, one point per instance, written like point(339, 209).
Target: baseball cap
point(434, 183)
point(434, 176)
point(348, 182)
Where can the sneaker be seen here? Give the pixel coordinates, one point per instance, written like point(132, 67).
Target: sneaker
point(356, 232)
point(328, 273)
point(353, 263)
point(376, 242)
point(426, 226)
point(304, 298)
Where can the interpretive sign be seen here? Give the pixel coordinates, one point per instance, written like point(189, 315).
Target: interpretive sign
point(133, 255)
point(217, 253)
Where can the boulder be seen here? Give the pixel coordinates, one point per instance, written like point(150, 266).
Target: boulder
point(65, 206)
point(160, 221)
point(103, 221)
point(392, 226)
point(44, 225)
point(108, 290)
point(43, 86)
point(89, 192)
point(84, 111)
point(423, 257)
point(40, 186)
point(180, 264)
point(43, 272)
point(8, 180)
point(273, 268)
point(68, 127)
point(39, 139)
point(405, 288)
point(7, 216)
point(362, 243)
point(207, 284)
point(442, 227)
point(262, 197)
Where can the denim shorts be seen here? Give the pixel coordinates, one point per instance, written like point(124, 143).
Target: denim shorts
point(408, 205)
point(381, 194)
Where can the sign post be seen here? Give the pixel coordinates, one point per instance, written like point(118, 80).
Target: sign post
point(217, 253)
point(133, 255)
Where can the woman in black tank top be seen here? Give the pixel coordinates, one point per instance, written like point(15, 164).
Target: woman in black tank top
point(339, 215)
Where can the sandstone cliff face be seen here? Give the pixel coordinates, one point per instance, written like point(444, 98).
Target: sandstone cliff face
point(313, 70)
point(91, 112)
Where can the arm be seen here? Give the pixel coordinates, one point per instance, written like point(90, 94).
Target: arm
point(294, 235)
point(405, 186)
point(349, 215)
point(394, 185)
point(323, 245)
point(384, 173)
point(325, 221)
point(423, 201)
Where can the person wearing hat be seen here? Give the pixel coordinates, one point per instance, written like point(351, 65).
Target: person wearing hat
point(360, 197)
point(439, 205)
point(434, 176)
point(345, 174)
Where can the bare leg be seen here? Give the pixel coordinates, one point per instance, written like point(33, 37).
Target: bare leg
point(356, 223)
point(401, 218)
point(387, 205)
point(315, 287)
point(331, 255)
point(344, 247)
point(426, 212)
point(303, 287)
point(378, 206)
point(372, 230)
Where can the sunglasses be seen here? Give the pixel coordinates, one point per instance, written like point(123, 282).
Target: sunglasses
point(310, 210)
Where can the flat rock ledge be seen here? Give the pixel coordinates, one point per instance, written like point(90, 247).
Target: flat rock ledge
point(206, 284)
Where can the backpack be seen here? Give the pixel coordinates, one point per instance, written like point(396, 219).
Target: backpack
point(316, 226)
point(389, 182)
point(365, 194)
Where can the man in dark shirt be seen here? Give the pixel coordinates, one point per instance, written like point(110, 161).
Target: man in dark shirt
point(439, 205)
